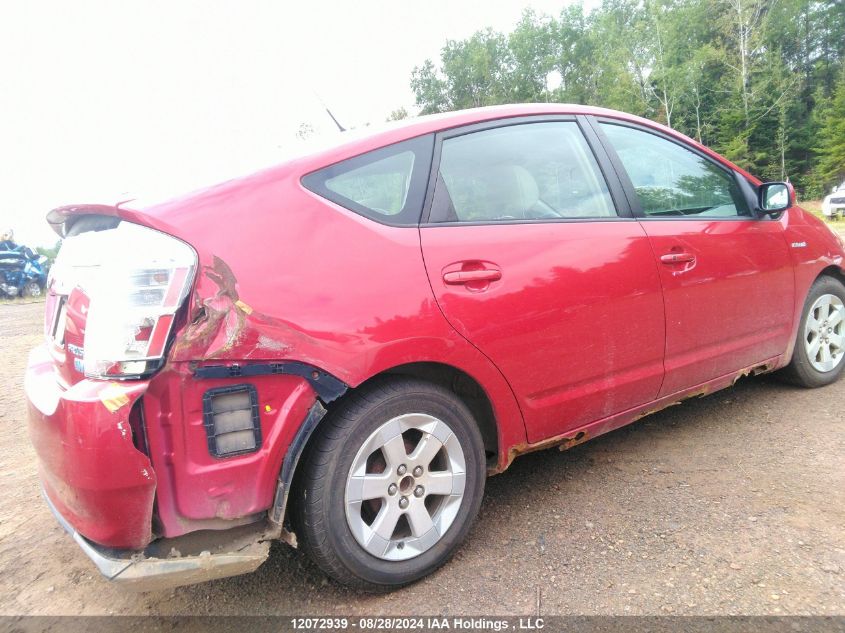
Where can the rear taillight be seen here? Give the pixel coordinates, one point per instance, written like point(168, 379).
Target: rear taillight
point(135, 279)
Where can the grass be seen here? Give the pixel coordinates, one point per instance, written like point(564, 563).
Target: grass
point(815, 207)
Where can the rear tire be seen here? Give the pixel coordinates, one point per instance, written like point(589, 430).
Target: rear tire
point(818, 357)
point(32, 289)
point(412, 439)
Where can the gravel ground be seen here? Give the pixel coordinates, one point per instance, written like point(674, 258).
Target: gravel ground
point(729, 504)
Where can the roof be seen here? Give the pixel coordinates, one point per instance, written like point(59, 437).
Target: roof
point(320, 152)
point(364, 139)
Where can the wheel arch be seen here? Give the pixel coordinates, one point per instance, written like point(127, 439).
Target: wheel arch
point(831, 271)
point(805, 277)
point(465, 387)
point(795, 368)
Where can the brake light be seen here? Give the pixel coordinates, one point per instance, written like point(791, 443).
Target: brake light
point(137, 283)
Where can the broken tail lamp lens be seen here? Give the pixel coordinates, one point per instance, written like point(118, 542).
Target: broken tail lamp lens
point(143, 279)
point(231, 420)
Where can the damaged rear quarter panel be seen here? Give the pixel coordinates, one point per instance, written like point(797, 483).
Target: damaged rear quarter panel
point(196, 489)
point(286, 276)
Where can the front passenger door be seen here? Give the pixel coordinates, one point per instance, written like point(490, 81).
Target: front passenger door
point(727, 275)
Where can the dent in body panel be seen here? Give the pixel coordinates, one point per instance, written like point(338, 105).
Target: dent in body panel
point(198, 490)
point(223, 324)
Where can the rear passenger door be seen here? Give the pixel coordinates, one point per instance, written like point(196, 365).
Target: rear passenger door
point(530, 261)
point(727, 275)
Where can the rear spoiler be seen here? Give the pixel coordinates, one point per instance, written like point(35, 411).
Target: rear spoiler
point(62, 219)
point(74, 219)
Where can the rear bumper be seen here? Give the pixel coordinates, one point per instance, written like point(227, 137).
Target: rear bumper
point(241, 556)
point(91, 472)
point(105, 487)
point(101, 488)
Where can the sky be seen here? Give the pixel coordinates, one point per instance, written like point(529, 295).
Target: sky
point(104, 100)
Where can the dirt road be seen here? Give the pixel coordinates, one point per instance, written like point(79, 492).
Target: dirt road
point(731, 504)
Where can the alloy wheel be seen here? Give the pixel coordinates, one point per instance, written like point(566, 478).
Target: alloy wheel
point(823, 333)
point(405, 486)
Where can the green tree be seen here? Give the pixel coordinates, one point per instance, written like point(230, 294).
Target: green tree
point(49, 252)
point(758, 80)
point(831, 136)
point(398, 114)
point(574, 46)
point(532, 52)
point(430, 90)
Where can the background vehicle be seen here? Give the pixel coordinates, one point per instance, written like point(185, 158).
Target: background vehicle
point(834, 204)
point(22, 272)
point(446, 294)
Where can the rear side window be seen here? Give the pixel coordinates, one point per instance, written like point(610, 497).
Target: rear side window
point(671, 180)
point(386, 185)
point(524, 172)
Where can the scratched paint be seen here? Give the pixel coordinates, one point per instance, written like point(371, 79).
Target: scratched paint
point(113, 397)
point(223, 324)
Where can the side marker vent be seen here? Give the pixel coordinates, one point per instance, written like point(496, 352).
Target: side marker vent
point(231, 420)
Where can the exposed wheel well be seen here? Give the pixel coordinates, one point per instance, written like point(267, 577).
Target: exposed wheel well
point(464, 387)
point(460, 383)
point(832, 271)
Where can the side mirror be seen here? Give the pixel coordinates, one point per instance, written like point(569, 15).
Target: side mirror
point(774, 197)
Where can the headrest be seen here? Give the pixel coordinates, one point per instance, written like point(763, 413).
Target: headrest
point(511, 191)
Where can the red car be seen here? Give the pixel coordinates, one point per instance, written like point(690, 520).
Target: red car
point(337, 350)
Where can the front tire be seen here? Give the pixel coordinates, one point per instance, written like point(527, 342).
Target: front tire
point(820, 346)
point(391, 484)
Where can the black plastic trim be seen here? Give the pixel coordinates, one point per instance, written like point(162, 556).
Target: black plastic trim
point(327, 387)
point(608, 169)
point(434, 225)
point(750, 193)
point(139, 434)
point(208, 418)
point(699, 218)
point(633, 201)
point(294, 452)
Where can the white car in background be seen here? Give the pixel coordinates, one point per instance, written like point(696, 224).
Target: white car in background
point(834, 204)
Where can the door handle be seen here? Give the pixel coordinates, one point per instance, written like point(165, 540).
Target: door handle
point(677, 258)
point(457, 277)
